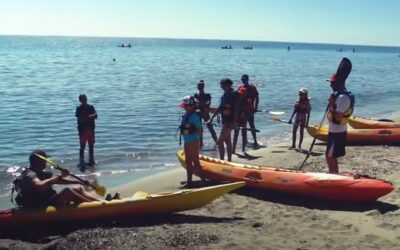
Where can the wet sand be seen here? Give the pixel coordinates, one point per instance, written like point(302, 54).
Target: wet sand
point(249, 218)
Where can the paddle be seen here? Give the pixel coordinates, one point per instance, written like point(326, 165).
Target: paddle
point(100, 190)
point(276, 119)
point(342, 73)
point(248, 129)
point(272, 112)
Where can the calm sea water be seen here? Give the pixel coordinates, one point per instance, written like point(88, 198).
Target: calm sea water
point(136, 96)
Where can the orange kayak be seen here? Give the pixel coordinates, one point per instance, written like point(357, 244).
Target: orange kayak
point(361, 136)
point(364, 123)
point(339, 187)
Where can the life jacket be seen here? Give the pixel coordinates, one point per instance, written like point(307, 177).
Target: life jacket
point(227, 106)
point(187, 128)
point(346, 114)
point(202, 101)
point(25, 198)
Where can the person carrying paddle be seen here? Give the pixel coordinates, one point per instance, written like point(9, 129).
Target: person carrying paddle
point(191, 129)
point(228, 109)
point(302, 110)
point(86, 114)
point(203, 102)
point(341, 105)
point(35, 186)
point(251, 103)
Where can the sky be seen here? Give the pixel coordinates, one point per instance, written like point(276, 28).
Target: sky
point(364, 22)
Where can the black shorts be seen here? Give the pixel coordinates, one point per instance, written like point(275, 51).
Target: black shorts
point(336, 145)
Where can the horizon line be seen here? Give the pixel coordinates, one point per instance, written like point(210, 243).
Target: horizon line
point(215, 39)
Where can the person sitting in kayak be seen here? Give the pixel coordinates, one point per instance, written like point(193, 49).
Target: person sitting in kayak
point(203, 102)
point(242, 120)
point(302, 110)
point(341, 105)
point(228, 109)
point(35, 186)
point(191, 129)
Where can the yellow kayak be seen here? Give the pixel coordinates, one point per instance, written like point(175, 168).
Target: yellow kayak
point(141, 203)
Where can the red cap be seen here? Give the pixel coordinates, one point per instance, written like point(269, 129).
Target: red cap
point(332, 78)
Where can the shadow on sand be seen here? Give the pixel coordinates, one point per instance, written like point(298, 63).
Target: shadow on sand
point(46, 232)
point(315, 203)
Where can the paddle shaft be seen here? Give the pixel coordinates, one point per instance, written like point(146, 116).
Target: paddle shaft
point(315, 138)
point(250, 129)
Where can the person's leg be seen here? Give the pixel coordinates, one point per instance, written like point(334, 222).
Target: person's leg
point(228, 142)
point(91, 141)
point(235, 138)
point(189, 167)
point(67, 195)
point(253, 127)
point(221, 142)
point(294, 132)
point(86, 195)
point(244, 139)
point(194, 151)
point(301, 136)
point(332, 164)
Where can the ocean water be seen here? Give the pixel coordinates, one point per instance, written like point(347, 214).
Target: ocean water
point(137, 95)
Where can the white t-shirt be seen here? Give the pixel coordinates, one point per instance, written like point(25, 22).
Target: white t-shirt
point(343, 102)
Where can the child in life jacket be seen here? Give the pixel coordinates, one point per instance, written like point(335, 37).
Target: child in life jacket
point(302, 110)
point(191, 130)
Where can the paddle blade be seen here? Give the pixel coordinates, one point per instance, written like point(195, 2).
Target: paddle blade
point(52, 163)
point(276, 112)
point(343, 70)
point(276, 119)
point(100, 190)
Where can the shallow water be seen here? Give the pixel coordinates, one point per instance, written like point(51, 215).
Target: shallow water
point(136, 96)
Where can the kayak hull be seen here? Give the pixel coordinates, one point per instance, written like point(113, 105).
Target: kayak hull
point(360, 136)
point(343, 187)
point(140, 204)
point(364, 123)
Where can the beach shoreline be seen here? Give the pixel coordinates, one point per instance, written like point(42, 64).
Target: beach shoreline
point(254, 219)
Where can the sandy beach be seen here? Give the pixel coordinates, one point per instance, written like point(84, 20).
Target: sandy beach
point(249, 218)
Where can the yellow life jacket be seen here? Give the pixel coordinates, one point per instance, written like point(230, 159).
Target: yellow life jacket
point(346, 114)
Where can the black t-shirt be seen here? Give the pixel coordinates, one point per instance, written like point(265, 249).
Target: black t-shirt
point(203, 101)
point(227, 106)
point(84, 121)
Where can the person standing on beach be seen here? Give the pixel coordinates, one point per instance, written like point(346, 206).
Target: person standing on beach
point(242, 120)
point(302, 110)
point(86, 114)
point(203, 103)
point(191, 129)
point(251, 103)
point(35, 186)
point(341, 105)
point(228, 109)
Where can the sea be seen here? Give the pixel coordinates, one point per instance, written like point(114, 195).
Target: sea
point(136, 91)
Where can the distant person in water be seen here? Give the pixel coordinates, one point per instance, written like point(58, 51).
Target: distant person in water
point(251, 104)
point(86, 115)
point(35, 186)
point(191, 129)
point(203, 102)
point(228, 109)
point(302, 110)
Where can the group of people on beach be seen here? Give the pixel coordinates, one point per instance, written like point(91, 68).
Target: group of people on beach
point(238, 107)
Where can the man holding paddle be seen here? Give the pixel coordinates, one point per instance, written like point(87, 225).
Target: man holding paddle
point(341, 104)
point(35, 186)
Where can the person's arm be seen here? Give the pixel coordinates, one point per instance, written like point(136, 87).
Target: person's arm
point(294, 112)
point(256, 103)
point(93, 115)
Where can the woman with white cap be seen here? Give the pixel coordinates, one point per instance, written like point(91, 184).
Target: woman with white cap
point(302, 110)
point(191, 130)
